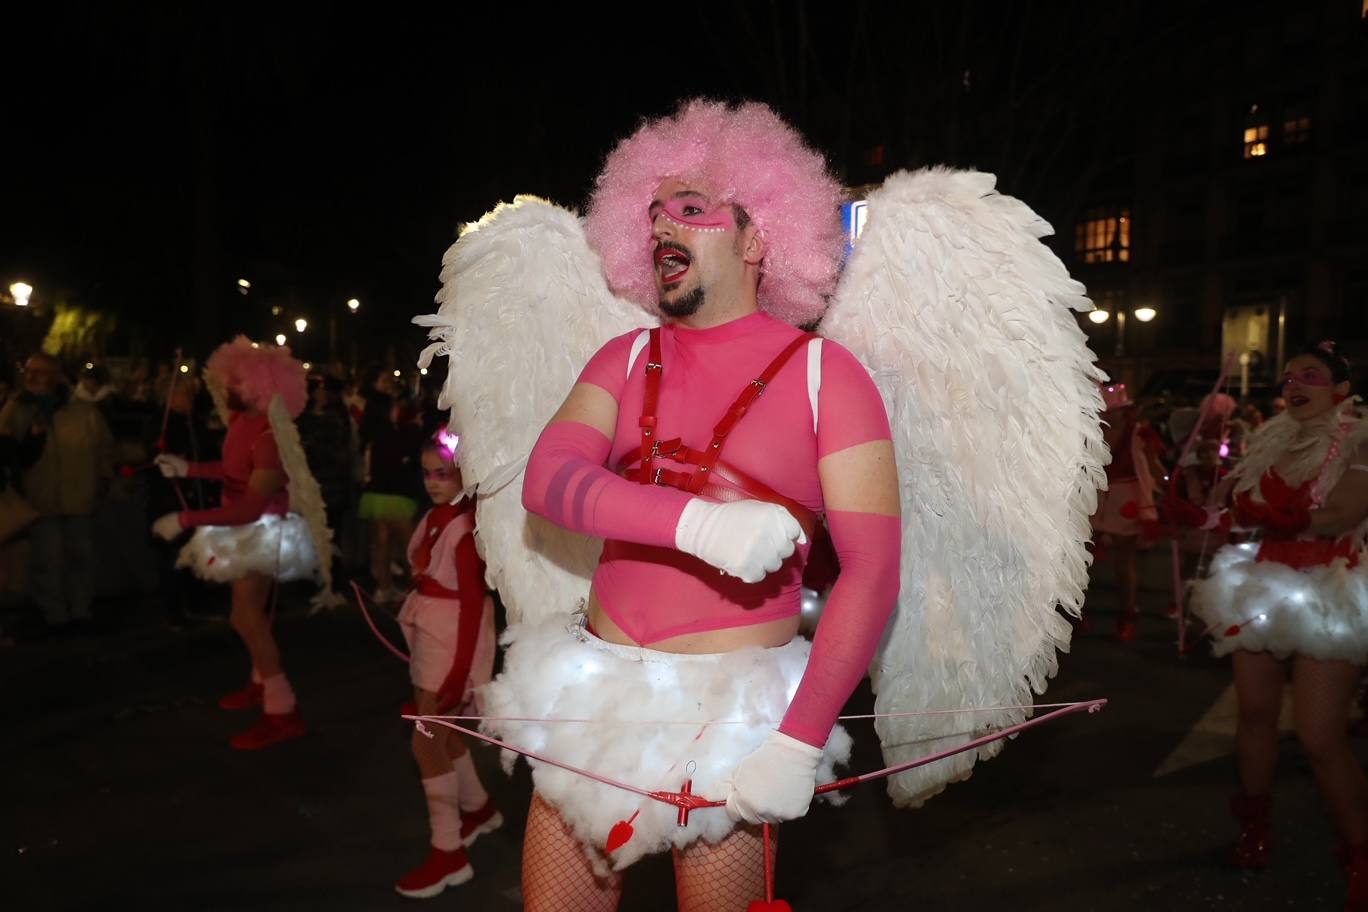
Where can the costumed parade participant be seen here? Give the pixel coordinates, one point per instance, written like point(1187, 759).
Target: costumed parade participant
point(675, 490)
point(1299, 595)
point(1128, 503)
point(448, 622)
point(270, 524)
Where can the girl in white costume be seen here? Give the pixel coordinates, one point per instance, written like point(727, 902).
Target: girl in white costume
point(1298, 596)
point(448, 621)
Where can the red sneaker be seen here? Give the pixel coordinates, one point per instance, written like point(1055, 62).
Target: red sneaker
point(475, 824)
point(248, 697)
point(270, 729)
point(441, 870)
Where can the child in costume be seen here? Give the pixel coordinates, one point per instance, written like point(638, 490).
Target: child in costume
point(448, 621)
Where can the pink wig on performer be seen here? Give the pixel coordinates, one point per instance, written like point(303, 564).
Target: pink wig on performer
point(258, 374)
point(744, 155)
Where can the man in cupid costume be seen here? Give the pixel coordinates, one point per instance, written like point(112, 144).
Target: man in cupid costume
point(703, 453)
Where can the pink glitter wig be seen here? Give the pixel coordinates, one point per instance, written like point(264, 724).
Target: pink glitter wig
point(744, 155)
point(259, 374)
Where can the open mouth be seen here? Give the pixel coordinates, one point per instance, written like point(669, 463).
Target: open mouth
point(671, 263)
point(1298, 400)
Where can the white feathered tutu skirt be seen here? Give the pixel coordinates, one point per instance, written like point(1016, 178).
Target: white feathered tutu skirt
point(1267, 606)
point(274, 546)
point(658, 719)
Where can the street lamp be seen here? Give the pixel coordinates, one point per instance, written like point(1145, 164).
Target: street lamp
point(280, 338)
point(21, 291)
point(1145, 314)
point(353, 305)
point(244, 286)
point(1099, 316)
point(301, 324)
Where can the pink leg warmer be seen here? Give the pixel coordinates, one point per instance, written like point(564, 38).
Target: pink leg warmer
point(444, 812)
point(277, 695)
point(473, 794)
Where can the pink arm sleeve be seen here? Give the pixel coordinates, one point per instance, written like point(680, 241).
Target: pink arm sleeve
point(869, 546)
point(244, 509)
point(567, 483)
point(210, 470)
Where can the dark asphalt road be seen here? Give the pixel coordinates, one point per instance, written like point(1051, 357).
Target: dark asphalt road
point(119, 791)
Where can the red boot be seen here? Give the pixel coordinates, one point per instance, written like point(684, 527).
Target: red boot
point(475, 824)
point(270, 729)
point(1255, 816)
point(1125, 628)
point(442, 869)
point(1357, 900)
point(246, 698)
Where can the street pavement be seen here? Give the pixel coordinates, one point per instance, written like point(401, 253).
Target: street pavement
point(119, 790)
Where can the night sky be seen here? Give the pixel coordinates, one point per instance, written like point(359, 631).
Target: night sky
point(155, 156)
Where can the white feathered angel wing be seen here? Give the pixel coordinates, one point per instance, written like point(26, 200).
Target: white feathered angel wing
point(963, 318)
point(523, 307)
point(306, 498)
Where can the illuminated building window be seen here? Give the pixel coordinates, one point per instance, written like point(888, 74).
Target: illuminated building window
point(1104, 236)
point(1256, 141)
point(1296, 127)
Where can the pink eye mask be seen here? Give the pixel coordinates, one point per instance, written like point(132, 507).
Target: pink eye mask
point(1307, 377)
point(716, 218)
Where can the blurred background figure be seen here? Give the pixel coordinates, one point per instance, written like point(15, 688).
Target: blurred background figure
point(392, 435)
point(71, 452)
point(1128, 503)
point(325, 429)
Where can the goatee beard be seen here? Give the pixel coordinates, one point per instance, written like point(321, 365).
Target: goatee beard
point(686, 306)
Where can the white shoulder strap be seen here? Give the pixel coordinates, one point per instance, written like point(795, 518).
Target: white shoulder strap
point(814, 376)
point(638, 345)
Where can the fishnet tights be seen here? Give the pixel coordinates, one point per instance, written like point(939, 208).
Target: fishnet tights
point(724, 877)
point(556, 876)
point(1321, 694)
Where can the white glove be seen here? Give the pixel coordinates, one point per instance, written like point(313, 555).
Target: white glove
point(744, 538)
point(172, 466)
point(168, 527)
point(774, 783)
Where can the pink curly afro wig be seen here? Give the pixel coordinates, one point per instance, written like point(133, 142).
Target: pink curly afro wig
point(744, 155)
point(260, 373)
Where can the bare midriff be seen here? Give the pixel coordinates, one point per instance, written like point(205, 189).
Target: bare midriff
point(769, 633)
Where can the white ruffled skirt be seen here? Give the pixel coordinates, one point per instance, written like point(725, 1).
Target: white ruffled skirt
point(1320, 611)
point(275, 546)
point(658, 719)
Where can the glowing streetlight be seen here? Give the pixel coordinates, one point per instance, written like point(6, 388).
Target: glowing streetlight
point(21, 291)
point(280, 338)
point(185, 368)
point(1099, 316)
point(353, 305)
point(244, 286)
point(422, 371)
point(301, 324)
point(308, 366)
point(1145, 314)
point(398, 374)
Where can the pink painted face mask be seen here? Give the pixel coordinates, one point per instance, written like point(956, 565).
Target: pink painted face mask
point(695, 212)
point(1307, 376)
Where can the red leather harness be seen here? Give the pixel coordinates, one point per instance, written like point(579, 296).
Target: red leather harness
point(708, 469)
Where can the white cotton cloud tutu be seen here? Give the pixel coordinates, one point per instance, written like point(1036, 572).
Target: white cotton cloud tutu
point(1320, 611)
point(556, 670)
point(275, 546)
